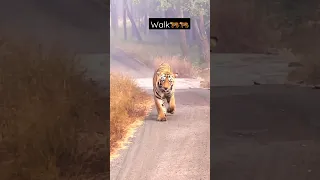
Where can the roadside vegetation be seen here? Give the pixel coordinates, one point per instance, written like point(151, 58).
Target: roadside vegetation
point(53, 120)
point(128, 107)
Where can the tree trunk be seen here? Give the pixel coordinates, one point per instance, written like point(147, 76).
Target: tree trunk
point(146, 22)
point(125, 19)
point(190, 37)
point(133, 23)
point(196, 32)
point(114, 17)
point(205, 47)
point(133, 33)
point(165, 31)
point(183, 38)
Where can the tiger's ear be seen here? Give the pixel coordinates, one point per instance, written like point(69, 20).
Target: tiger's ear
point(158, 73)
point(175, 75)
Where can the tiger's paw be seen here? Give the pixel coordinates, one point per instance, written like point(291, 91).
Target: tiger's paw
point(162, 117)
point(171, 110)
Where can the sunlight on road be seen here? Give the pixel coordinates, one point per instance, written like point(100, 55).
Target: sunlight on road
point(180, 83)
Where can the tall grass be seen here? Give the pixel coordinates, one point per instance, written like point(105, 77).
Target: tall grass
point(128, 104)
point(53, 120)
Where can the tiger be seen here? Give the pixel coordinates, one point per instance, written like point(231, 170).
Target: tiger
point(163, 89)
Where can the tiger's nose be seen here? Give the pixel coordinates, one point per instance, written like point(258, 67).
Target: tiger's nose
point(165, 88)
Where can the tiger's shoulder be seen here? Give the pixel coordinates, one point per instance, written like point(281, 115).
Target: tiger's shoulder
point(165, 68)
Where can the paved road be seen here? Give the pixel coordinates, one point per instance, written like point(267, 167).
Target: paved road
point(177, 149)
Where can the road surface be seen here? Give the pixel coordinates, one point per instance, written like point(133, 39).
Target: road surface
point(176, 149)
point(261, 132)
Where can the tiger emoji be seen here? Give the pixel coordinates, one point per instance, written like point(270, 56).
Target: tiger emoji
point(184, 24)
point(163, 89)
point(174, 24)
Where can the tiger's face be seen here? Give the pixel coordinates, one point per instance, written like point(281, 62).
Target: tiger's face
point(166, 82)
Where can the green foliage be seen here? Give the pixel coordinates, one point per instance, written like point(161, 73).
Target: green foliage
point(194, 7)
point(166, 4)
point(197, 7)
point(136, 1)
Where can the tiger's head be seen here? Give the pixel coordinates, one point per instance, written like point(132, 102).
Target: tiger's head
point(166, 81)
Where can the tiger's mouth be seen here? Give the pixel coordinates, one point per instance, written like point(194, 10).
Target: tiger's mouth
point(166, 90)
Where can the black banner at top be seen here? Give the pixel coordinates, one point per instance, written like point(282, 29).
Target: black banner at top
point(169, 23)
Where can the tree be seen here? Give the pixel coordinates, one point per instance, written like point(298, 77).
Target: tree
point(146, 16)
point(183, 37)
point(125, 19)
point(197, 9)
point(114, 16)
point(133, 24)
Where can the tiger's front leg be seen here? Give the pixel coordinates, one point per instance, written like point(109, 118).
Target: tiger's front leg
point(160, 109)
point(172, 104)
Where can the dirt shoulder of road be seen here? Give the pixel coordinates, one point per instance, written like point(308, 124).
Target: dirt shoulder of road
point(129, 105)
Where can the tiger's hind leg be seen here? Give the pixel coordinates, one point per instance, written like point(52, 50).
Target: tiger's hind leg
point(160, 109)
point(172, 104)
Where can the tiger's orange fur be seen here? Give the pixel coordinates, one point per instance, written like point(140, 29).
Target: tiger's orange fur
point(163, 90)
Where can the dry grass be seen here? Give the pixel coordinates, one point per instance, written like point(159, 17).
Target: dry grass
point(181, 66)
point(53, 120)
point(205, 75)
point(128, 103)
point(306, 68)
